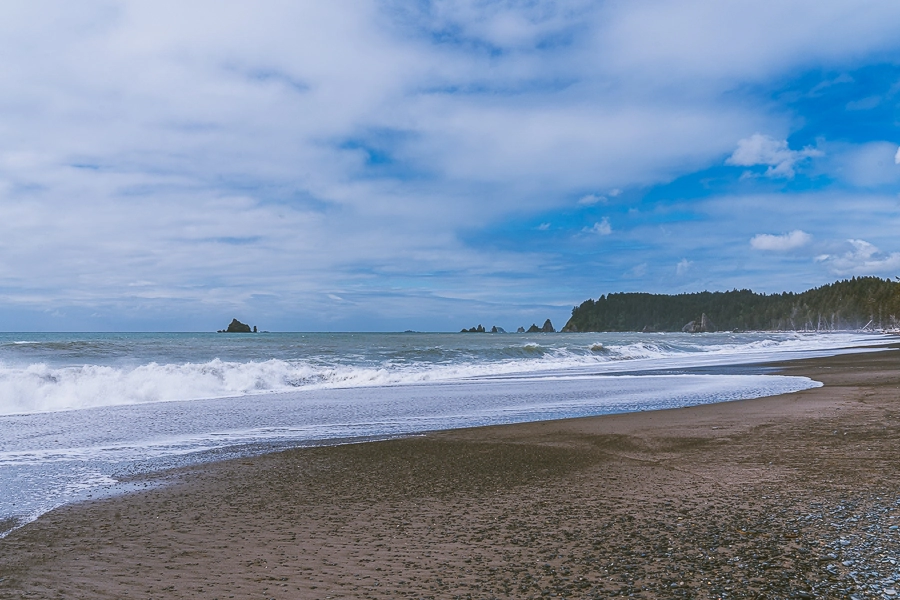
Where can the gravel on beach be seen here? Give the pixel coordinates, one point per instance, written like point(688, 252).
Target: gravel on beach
point(795, 496)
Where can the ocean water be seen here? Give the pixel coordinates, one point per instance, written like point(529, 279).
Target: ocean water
point(80, 413)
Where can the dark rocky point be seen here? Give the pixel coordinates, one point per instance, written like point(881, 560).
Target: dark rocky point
point(237, 327)
point(547, 328)
point(705, 325)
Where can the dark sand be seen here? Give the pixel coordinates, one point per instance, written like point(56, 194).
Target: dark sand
point(763, 498)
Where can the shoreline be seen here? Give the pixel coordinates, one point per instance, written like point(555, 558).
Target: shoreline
point(157, 436)
point(734, 499)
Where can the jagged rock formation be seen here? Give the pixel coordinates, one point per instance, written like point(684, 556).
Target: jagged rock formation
point(496, 329)
point(479, 329)
point(520, 330)
point(704, 325)
point(547, 328)
point(237, 327)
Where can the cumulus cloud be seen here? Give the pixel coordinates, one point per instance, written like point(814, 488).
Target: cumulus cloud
point(600, 228)
point(787, 241)
point(683, 266)
point(863, 259)
point(761, 149)
point(897, 157)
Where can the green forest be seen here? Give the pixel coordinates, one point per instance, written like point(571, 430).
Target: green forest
point(861, 302)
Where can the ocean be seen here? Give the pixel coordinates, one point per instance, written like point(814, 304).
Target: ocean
point(81, 413)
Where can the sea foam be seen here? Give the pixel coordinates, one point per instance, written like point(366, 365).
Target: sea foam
point(45, 387)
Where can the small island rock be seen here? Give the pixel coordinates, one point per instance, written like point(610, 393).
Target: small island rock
point(237, 327)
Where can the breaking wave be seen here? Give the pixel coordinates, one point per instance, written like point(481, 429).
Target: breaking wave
point(44, 386)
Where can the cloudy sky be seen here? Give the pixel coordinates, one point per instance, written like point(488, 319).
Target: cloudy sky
point(429, 165)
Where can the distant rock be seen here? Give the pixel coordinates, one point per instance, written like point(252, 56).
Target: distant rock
point(481, 329)
point(547, 328)
point(520, 330)
point(704, 325)
point(237, 327)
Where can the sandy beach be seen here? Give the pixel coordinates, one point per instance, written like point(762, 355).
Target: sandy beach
point(794, 496)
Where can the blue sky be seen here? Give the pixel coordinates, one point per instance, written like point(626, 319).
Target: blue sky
point(391, 165)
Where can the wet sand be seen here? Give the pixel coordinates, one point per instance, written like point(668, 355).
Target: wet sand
point(788, 496)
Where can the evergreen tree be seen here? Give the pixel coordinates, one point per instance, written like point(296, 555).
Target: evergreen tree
point(848, 304)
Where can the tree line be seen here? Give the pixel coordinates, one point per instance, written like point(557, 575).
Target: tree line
point(849, 304)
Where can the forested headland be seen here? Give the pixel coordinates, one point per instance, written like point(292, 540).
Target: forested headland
point(861, 302)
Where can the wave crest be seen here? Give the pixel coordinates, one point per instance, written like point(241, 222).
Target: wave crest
point(39, 387)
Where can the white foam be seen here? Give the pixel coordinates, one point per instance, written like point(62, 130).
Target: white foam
point(41, 388)
point(50, 458)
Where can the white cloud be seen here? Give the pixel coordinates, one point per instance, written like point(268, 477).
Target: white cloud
point(220, 152)
point(863, 259)
point(787, 241)
point(543, 227)
point(744, 40)
point(600, 228)
point(683, 266)
point(864, 103)
point(897, 157)
point(591, 199)
point(637, 271)
point(761, 149)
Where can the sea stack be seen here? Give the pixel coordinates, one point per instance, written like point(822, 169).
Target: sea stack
point(704, 325)
point(237, 327)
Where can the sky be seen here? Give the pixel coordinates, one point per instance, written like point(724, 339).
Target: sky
point(358, 165)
